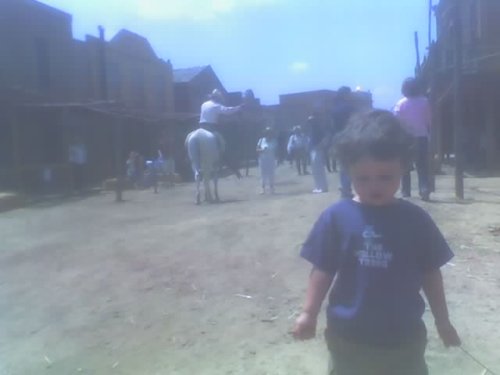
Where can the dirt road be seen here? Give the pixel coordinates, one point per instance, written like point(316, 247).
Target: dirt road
point(157, 285)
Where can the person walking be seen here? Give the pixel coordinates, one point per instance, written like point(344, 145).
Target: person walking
point(343, 109)
point(266, 149)
point(77, 157)
point(414, 111)
point(317, 142)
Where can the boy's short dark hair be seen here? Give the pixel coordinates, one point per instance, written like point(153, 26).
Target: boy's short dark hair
point(412, 87)
point(343, 92)
point(376, 134)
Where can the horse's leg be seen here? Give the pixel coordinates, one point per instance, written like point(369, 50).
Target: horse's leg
point(193, 148)
point(247, 163)
point(198, 181)
point(206, 184)
point(215, 177)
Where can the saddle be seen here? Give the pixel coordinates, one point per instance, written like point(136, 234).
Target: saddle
point(210, 127)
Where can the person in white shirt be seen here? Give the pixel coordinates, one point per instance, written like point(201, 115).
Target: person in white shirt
point(297, 149)
point(77, 157)
point(210, 113)
point(266, 149)
point(212, 109)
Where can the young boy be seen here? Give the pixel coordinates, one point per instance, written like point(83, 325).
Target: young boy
point(381, 252)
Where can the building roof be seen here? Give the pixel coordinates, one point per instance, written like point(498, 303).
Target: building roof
point(188, 74)
point(135, 43)
point(309, 93)
point(7, 5)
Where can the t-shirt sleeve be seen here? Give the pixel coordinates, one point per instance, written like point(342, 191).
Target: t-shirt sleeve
point(397, 108)
point(321, 246)
point(435, 251)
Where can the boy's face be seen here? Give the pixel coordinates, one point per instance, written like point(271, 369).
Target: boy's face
point(375, 181)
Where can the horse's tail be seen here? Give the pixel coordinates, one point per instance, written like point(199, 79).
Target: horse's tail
point(197, 147)
point(194, 152)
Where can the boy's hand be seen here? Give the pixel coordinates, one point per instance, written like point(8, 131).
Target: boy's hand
point(305, 327)
point(448, 334)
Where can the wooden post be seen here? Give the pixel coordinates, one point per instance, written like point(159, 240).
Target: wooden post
point(103, 85)
point(117, 144)
point(16, 152)
point(67, 140)
point(491, 152)
point(430, 24)
point(437, 125)
point(433, 163)
point(457, 105)
point(417, 50)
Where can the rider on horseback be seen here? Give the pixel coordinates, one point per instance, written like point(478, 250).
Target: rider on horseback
point(210, 113)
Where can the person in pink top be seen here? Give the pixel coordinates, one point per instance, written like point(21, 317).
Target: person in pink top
point(414, 111)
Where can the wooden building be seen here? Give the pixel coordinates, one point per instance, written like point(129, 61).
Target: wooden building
point(54, 88)
point(192, 87)
point(480, 80)
point(35, 137)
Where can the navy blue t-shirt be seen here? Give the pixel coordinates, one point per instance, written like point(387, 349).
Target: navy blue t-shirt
point(379, 255)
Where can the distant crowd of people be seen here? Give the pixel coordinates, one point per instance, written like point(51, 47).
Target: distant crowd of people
point(142, 173)
point(313, 143)
point(310, 146)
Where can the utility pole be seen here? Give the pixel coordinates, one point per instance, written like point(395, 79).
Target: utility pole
point(117, 128)
point(417, 50)
point(103, 86)
point(429, 41)
point(457, 103)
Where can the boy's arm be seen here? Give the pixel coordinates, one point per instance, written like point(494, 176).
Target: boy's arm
point(434, 292)
point(319, 284)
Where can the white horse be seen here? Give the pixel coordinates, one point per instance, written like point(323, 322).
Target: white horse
point(205, 151)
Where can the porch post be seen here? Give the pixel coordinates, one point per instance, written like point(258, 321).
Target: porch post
point(16, 148)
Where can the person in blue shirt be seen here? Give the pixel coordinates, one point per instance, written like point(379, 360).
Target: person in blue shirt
point(378, 252)
point(342, 112)
point(317, 144)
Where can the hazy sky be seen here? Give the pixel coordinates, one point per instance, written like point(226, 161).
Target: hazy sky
point(273, 46)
